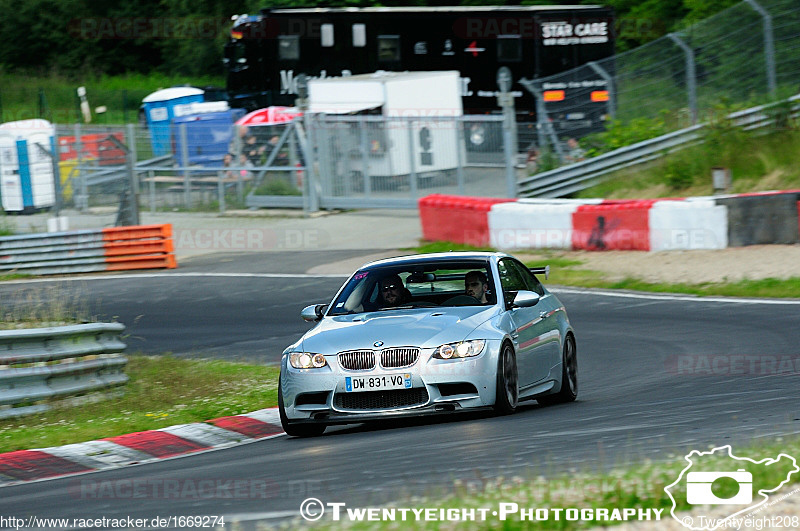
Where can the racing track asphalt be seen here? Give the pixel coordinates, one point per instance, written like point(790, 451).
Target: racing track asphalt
point(636, 402)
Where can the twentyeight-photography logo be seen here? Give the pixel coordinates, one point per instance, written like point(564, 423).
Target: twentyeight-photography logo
point(724, 490)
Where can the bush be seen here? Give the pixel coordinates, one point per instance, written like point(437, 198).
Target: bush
point(276, 187)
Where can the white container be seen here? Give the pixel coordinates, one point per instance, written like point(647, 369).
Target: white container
point(421, 99)
point(27, 181)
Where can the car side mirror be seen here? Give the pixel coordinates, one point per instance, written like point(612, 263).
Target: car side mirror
point(313, 312)
point(526, 299)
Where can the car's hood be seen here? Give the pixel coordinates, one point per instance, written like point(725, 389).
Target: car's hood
point(423, 327)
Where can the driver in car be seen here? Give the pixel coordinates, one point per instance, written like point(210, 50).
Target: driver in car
point(476, 285)
point(393, 292)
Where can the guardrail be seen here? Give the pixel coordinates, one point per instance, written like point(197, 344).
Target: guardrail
point(39, 364)
point(86, 251)
point(579, 176)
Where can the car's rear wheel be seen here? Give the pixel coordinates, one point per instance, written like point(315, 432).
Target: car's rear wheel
point(569, 376)
point(296, 430)
point(507, 381)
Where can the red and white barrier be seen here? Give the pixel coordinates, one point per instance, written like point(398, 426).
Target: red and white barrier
point(594, 224)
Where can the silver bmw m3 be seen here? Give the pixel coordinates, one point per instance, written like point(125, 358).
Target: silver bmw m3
point(427, 334)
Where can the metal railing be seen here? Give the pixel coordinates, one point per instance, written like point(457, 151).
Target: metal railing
point(41, 364)
point(91, 250)
point(579, 176)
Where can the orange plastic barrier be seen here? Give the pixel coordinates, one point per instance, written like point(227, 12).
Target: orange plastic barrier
point(614, 226)
point(138, 232)
point(456, 218)
point(139, 247)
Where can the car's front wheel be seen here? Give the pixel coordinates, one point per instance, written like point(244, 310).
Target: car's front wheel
point(569, 376)
point(296, 430)
point(507, 381)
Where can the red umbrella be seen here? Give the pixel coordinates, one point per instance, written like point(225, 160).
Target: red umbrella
point(270, 116)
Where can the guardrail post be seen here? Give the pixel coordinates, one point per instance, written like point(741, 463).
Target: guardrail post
point(364, 151)
point(293, 175)
point(221, 190)
point(152, 174)
point(460, 125)
point(187, 183)
point(82, 197)
point(131, 133)
point(412, 175)
point(506, 100)
point(133, 183)
point(691, 74)
point(612, 92)
point(769, 45)
point(51, 154)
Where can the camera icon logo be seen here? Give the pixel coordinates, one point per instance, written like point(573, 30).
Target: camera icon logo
point(699, 487)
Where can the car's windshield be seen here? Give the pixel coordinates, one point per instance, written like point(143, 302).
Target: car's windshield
point(417, 285)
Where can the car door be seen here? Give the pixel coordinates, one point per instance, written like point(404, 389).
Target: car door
point(548, 308)
point(530, 330)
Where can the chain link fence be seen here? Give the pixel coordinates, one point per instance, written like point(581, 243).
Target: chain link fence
point(359, 161)
point(744, 55)
point(371, 159)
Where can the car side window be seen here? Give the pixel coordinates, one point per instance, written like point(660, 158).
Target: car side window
point(530, 280)
point(510, 280)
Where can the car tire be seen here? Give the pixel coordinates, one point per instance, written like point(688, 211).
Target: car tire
point(569, 376)
point(507, 394)
point(296, 430)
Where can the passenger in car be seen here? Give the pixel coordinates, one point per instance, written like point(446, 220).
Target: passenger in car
point(476, 285)
point(393, 292)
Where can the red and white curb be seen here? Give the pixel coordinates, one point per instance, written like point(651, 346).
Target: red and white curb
point(135, 448)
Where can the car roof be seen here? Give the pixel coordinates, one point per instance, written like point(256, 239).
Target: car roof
point(453, 256)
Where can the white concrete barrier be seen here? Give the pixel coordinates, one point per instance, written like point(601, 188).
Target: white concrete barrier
point(696, 224)
point(531, 225)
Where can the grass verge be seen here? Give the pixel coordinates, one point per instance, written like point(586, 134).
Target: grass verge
point(162, 391)
point(639, 486)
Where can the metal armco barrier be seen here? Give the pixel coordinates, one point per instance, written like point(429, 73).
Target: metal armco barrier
point(86, 251)
point(44, 363)
point(566, 180)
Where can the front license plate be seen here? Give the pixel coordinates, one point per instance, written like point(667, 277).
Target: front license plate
point(353, 384)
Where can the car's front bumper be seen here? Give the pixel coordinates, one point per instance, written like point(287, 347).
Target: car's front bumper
point(437, 386)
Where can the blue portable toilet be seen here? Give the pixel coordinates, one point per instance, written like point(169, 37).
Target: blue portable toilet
point(209, 131)
point(27, 178)
point(159, 108)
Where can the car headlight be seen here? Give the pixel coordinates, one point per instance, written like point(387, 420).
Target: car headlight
point(307, 360)
point(462, 349)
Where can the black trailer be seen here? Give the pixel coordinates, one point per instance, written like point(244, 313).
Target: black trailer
point(267, 52)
